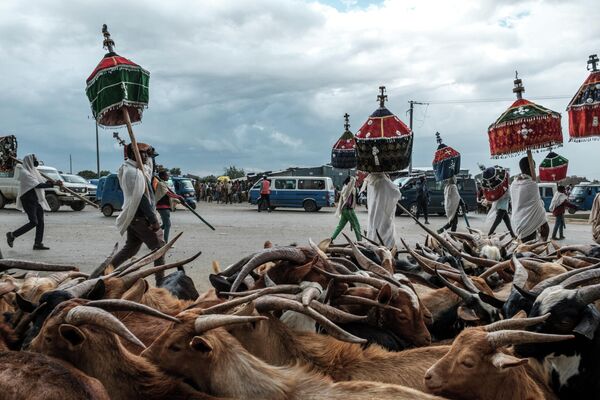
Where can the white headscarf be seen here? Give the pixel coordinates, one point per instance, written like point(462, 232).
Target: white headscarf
point(528, 212)
point(347, 191)
point(451, 198)
point(557, 200)
point(29, 178)
point(382, 197)
point(133, 183)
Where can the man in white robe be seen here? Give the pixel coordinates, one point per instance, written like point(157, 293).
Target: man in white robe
point(382, 197)
point(452, 203)
point(528, 213)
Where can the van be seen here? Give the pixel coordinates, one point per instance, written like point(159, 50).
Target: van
point(407, 185)
point(546, 193)
point(308, 192)
point(583, 196)
point(185, 188)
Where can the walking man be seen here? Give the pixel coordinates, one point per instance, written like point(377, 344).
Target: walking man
point(265, 194)
point(163, 197)
point(422, 198)
point(559, 203)
point(528, 214)
point(345, 209)
point(452, 203)
point(32, 201)
point(499, 212)
point(138, 218)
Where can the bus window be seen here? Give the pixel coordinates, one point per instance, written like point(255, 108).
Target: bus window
point(285, 184)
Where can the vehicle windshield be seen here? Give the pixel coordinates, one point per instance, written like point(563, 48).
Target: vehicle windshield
point(579, 191)
point(186, 184)
point(51, 173)
point(74, 179)
point(402, 181)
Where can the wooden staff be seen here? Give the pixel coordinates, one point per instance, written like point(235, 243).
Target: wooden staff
point(136, 151)
point(531, 164)
point(80, 197)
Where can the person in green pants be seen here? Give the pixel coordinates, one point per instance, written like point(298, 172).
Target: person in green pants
point(345, 209)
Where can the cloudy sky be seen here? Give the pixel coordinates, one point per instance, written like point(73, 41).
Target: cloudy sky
point(263, 84)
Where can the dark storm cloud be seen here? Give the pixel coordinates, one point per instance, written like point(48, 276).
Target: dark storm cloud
point(263, 84)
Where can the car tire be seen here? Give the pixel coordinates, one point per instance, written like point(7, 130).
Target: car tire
point(2, 201)
point(107, 210)
point(78, 206)
point(192, 206)
point(53, 202)
point(310, 206)
point(570, 210)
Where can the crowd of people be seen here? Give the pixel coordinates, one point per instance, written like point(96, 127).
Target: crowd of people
point(224, 191)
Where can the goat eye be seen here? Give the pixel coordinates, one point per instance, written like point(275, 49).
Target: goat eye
point(174, 348)
point(468, 363)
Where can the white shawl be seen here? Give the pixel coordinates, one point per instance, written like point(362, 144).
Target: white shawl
point(491, 215)
point(133, 184)
point(451, 198)
point(557, 200)
point(382, 197)
point(528, 212)
point(347, 191)
point(29, 178)
point(595, 219)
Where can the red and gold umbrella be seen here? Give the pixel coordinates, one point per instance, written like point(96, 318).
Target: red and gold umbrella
point(584, 108)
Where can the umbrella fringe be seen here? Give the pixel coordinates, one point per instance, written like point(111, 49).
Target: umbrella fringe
point(584, 139)
point(538, 148)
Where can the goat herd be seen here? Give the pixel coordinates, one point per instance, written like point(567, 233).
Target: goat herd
point(462, 316)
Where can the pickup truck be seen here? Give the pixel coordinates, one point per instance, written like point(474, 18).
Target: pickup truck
point(56, 197)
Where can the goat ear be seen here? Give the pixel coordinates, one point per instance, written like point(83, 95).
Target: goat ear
point(504, 361)
point(427, 317)
point(520, 314)
point(385, 294)
point(136, 292)
point(467, 314)
point(198, 343)
point(72, 335)
point(23, 304)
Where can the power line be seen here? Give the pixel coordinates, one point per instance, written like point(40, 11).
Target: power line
point(492, 100)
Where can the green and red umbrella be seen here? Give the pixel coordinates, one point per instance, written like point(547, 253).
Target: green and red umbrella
point(584, 108)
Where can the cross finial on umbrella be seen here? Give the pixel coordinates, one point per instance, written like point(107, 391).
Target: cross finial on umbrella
point(519, 88)
point(121, 141)
point(346, 121)
point(382, 97)
point(108, 42)
point(593, 62)
point(438, 138)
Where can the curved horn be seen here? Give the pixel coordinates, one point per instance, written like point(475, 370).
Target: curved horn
point(583, 278)
point(378, 283)
point(223, 307)
point(506, 338)
point(132, 278)
point(558, 279)
point(205, 323)
point(269, 303)
point(84, 287)
point(317, 249)
point(364, 262)
point(113, 305)
point(498, 267)
point(310, 291)
point(589, 294)
point(102, 267)
point(80, 315)
point(235, 267)
point(345, 262)
point(515, 323)
point(525, 293)
point(147, 259)
point(428, 265)
point(521, 274)
point(7, 287)
point(482, 262)
point(462, 293)
point(8, 263)
point(350, 300)
point(335, 314)
point(277, 253)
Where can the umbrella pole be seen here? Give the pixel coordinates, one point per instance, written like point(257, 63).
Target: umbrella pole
point(136, 151)
point(531, 165)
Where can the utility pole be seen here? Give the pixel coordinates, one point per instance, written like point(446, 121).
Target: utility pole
point(70, 164)
point(97, 151)
point(410, 125)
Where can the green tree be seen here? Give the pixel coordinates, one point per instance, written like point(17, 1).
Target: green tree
point(104, 172)
point(234, 172)
point(175, 171)
point(87, 174)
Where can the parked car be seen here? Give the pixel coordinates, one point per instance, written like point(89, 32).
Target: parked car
point(546, 193)
point(76, 179)
point(583, 196)
point(407, 185)
point(308, 192)
point(55, 196)
point(110, 195)
point(185, 188)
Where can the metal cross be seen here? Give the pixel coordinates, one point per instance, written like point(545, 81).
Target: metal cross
point(346, 121)
point(438, 138)
point(518, 89)
point(121, 141)
point(593, 62)
point(382, 97)
point(108, 42)
point(375, 151)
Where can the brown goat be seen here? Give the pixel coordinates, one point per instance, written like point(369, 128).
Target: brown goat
point(218, 364)
point(478, 366)
point(272, 341)
point(90, 346)
point(25, 376)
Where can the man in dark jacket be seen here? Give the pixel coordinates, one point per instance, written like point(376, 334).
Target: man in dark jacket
point(422, 198)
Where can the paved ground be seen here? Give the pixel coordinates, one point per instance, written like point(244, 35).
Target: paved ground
point(85, 238)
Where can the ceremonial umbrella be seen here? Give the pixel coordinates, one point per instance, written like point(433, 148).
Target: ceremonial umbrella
point(446, 161)
point(523, 127)
point(383, 143)
point(584, 108)
point(343, 153)
point(553, 168)
point(118, 91)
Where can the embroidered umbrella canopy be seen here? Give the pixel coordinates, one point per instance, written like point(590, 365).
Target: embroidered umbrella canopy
point(584, 108)
point(494, 182)
point(446, 161)
point(343, 154)
point(118, 91)
point(553, 168)
point(523, 127)
point(8, 154)
point(383, 143)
